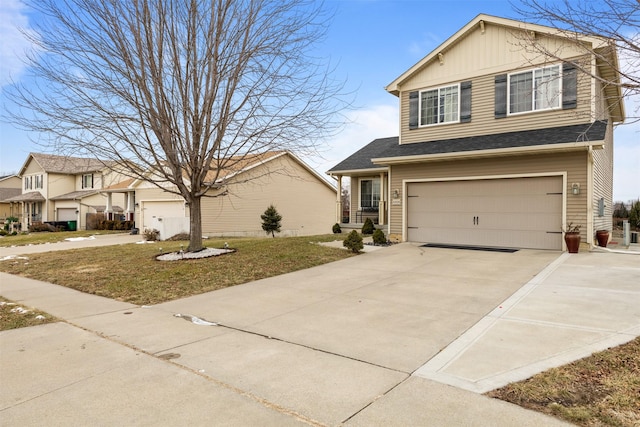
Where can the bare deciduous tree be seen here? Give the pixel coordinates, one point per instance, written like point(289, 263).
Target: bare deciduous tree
point(617, 21)
point(183, 88)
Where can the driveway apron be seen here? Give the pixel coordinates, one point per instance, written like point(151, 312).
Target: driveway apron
point(348, 342)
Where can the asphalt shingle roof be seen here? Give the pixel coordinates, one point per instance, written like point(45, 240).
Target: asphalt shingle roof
point(7, 193)
point(68, 165)
point(361, 159)
point(389, 147)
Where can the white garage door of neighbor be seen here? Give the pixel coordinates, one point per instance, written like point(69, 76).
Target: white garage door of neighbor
point(67, 214)
point(165, 209)
point(508, 213)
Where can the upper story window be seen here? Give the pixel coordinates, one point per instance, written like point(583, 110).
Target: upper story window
point(540, 89)
point(39, 182)
point(532, 90)
point(446, 104)
point(28, 182)
point(87, 180)
point(370, 193)
point(439, 105)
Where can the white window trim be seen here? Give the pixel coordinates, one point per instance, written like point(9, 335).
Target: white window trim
point(82, 181)
point(457, 85)
point(371, 178)
point(533, 100)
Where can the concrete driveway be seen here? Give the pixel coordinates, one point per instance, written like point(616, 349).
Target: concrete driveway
point(350, 342)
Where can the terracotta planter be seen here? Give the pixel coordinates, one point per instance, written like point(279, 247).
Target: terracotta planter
point(603, 238)
point(573, 242)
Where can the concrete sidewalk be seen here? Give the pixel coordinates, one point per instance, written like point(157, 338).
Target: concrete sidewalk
point(373, 340)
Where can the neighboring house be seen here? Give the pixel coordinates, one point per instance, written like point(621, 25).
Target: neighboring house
point(64, 188)
point(9, 187)
point(499, 145)
point(303, 198)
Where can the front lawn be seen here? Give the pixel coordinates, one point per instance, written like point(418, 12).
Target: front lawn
point(130, 272)
point(41, 237)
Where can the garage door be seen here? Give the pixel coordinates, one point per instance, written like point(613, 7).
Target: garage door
point(67, 214)
point(165, 209)
point(510, 213)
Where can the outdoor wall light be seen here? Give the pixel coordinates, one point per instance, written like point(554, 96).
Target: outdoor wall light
point(77, 211)
point(575, 188)
point(396, 194)
point(137, 205)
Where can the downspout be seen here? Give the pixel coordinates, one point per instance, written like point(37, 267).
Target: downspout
point(590, 182)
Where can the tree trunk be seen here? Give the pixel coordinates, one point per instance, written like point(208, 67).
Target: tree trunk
point(195, 225)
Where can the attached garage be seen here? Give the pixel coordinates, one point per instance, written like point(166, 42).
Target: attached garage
point(161, 209)
point(66, 214)
point(505, 212)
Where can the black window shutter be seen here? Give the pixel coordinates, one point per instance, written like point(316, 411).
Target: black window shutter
point(501, 96)
point(465, 102)
point(569, 86)
point(413, 110)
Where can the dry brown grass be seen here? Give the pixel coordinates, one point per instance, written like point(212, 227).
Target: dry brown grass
point(14, 315)
point(130, 272)
point(600, 390)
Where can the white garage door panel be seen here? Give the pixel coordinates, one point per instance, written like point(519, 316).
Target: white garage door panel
point(515, 212)
point(67, 214)
point(165, 209)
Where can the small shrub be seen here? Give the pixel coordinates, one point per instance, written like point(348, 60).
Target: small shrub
point(3, 232)
point(353, 242)
point(179, 237)
point(8, 221)
point(41, 226)
point(368, 227)
point(336, 228)
point(378, 237)
point(151, 235)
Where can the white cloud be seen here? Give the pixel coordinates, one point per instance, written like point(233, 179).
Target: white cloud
point(365, 125)
point(14, 44)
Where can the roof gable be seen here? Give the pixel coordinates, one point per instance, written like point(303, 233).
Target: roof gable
point(67, 165)
point(480, 26)
point(237, 165)
point(489, 44)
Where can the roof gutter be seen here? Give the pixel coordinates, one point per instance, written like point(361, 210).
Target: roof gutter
point(536, 149)
point(357, 171)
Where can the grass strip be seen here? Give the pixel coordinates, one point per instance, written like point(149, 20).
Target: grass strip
point(600, 390)
point(131, 273)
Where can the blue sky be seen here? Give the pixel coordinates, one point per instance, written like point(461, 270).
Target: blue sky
point(370, 42)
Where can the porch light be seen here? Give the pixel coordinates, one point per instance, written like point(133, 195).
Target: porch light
point(396, 194)
point(575, 188)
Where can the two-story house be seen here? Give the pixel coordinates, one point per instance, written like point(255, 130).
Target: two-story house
point(499, 144)
point(64, 188)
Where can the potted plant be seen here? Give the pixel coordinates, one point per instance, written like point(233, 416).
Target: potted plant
point(572, 238)
point(603, 237)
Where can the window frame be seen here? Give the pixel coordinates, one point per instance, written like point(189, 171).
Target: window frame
point(534, 89)
point(375, 204)
point(82, 179)
point(439, 113)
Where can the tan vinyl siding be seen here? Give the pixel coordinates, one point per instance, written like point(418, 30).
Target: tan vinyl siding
point(499, 49)
point(603, 183)
point(483, 121)
point(307, 205)
point(574, 164)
